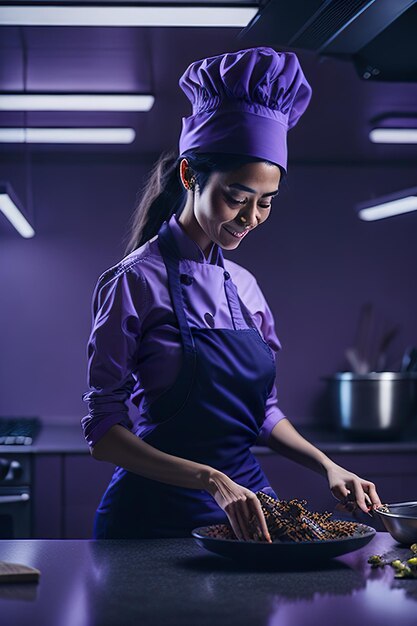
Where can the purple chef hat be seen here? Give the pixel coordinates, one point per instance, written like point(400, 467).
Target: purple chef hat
point(244, 103)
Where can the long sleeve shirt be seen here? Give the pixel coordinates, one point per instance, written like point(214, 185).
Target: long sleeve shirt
point(134, 349)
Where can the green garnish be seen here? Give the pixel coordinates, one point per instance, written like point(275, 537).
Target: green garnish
point(407, 569)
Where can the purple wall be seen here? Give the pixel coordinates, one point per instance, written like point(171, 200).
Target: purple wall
point(318, 263)
point(315, 260)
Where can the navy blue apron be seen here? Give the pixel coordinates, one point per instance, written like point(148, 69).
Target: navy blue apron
point(212, 415)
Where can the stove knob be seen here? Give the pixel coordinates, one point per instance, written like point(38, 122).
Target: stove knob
point(16, 470)
point(4, 468)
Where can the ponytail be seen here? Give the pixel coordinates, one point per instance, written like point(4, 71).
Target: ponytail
point(161, 196)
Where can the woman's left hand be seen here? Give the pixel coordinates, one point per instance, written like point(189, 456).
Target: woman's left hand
point(347, 486)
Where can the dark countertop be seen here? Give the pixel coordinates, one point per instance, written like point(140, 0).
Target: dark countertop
point(68, 439)
point(175, 582)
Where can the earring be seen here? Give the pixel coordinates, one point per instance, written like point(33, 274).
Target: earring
point(189, 181)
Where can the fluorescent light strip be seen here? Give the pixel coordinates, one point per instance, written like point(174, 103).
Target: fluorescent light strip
point(388, 209)
point(75, 102)
point(125, 16)
point(67, 135)
point(393, 135)
point(15, 217)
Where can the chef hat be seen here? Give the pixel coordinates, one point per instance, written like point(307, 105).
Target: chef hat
point(244, 103)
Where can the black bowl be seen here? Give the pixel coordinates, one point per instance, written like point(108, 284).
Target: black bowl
point(282, 554)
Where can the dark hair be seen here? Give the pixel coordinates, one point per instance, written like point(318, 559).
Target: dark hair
point(163, 193)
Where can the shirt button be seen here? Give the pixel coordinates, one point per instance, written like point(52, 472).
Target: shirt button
point(186, 279)
point(209, 320)
point(226, 275)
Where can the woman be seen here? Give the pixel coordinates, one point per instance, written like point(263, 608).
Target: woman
point(186, 335)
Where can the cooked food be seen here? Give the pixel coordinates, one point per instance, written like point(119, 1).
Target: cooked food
point(292, 521)
point(384, 508)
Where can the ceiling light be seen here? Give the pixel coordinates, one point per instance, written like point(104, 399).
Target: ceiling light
point(11, 208)
point(395, 204)
point(393, 135)
point(67, 135)
point(31, 15)
point(75, 102)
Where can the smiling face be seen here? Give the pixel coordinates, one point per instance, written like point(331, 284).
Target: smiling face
point(231, 205)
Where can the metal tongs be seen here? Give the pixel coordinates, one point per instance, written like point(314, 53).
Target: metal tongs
point(350, 506)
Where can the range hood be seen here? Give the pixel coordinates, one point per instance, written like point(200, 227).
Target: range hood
point(378, 36)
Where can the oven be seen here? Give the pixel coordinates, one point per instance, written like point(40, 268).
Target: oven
point(15, 496)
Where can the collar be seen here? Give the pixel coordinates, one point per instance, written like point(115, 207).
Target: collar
point(188, 248)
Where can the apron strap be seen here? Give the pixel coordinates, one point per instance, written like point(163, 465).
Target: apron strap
point(238, 310)
point(171, 256)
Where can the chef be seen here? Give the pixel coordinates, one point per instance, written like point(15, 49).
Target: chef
point(185, 336)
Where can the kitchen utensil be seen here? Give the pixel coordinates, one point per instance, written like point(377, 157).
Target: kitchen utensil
point(363, 336)
point(409, 360)
point(358, 366)
point(376, 405)
point(282, 555)
point(381, 355)
point(401, 521)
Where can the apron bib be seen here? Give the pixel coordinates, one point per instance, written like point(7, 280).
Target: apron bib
point(212, 415)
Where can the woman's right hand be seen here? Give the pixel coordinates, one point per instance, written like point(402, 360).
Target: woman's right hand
point(241, 506)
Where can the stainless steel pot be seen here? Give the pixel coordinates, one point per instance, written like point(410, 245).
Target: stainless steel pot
point(378, 404)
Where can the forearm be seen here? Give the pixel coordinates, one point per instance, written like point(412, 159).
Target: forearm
point(121, 447)
point(286, 440)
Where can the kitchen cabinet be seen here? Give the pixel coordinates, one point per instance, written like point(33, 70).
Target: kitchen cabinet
point(85, 482)
point(67, 491)
point(47, 496)
point(72, 485)
point(68, 483)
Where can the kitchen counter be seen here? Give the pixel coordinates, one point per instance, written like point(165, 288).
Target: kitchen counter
point(175, 582)
point(68, 439)
point(54, 439)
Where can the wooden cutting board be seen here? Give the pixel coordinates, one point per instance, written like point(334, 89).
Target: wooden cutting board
point(18, 573)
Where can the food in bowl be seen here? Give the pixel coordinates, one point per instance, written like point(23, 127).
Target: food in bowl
point(400, 520)
point(290, 521)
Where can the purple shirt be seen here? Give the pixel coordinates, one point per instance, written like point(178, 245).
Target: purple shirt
point(134, 349)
